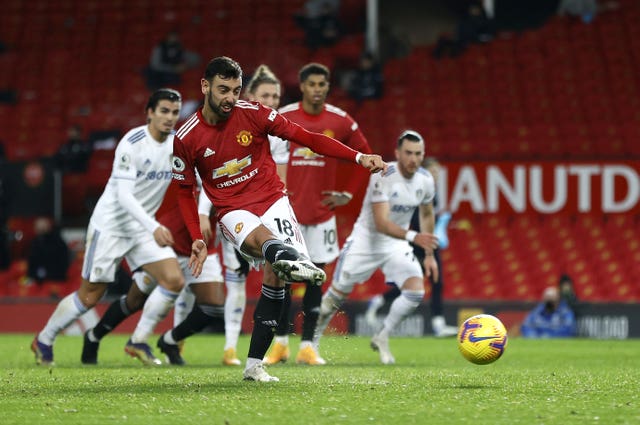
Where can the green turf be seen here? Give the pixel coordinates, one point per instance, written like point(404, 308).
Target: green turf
point(535, 382)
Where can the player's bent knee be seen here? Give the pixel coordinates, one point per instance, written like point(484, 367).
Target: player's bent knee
point(90, 294)
point(415, 296)
point(173, 283)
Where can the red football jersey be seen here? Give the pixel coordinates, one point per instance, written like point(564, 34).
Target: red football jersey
point(308, 173)
point(233, 156)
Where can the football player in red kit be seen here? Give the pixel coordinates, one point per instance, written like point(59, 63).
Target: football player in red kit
point(226, 141)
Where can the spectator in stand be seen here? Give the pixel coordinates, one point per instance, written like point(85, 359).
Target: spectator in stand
point(5, 202)
point(585, 9)
point(474, 27)
point(169, 59)
point(367, 81)
point(320, 22)
point(8, 95)
point(551, 318)
point(568, 293)
point(73, 156)
point(49, 256)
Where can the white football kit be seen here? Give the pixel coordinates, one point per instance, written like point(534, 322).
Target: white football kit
point(366, 249)
point(279, 150)
point(123, 220)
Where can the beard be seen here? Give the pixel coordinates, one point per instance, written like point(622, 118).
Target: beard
point(217, 108)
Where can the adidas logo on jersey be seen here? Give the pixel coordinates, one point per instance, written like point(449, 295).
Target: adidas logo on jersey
point(208, 153)
point(288, 241)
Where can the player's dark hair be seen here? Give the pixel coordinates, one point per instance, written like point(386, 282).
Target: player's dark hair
point(313, 68)
point(162, 94)
point(223, 66)
point(262, 75)
point(411, 135)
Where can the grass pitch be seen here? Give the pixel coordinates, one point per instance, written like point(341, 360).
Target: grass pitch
point(535, 382)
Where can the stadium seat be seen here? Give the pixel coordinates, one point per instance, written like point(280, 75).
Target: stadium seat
point(496, 101)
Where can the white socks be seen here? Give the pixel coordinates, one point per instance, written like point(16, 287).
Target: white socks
point(234, 305)
point(330, 304)
point(183, 306)
point(156, 308)
point(401, 307)
point(283, 340)
point(251, 362)
point(67, 311)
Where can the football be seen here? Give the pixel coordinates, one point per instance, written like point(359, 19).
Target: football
point(482, 339)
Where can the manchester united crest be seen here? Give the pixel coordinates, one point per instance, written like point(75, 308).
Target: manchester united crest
point(244, 138)
point(239, 227)
point(329, 133)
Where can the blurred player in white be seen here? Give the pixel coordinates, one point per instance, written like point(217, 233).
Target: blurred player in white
point(203, 295)
point(206, 294)
point(438, 324)
point(123, 223)
point(380, 239)
point(312, 188)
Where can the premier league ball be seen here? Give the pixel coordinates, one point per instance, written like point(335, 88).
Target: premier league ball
point(482, 339)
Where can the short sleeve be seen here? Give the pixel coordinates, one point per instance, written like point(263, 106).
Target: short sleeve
point(124, 164)
point(279, 149)
point(378, 188)
point(430, 187)
point(182, 163)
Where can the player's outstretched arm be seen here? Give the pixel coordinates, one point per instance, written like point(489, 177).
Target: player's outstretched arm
point(324, 145)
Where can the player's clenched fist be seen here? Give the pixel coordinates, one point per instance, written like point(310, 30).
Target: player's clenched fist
point(373, 163)
point(163, 236)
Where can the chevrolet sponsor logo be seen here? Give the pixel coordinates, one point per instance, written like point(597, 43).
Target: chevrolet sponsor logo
point(232, 167)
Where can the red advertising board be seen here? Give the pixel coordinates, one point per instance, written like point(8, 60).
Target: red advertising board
point(591, 187)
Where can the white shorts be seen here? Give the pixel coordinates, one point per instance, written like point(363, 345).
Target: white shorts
point(279, 219)
point(322, 241)
point(356, 264)
point(229, 257)
point(211, 270)
point(105, 251)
